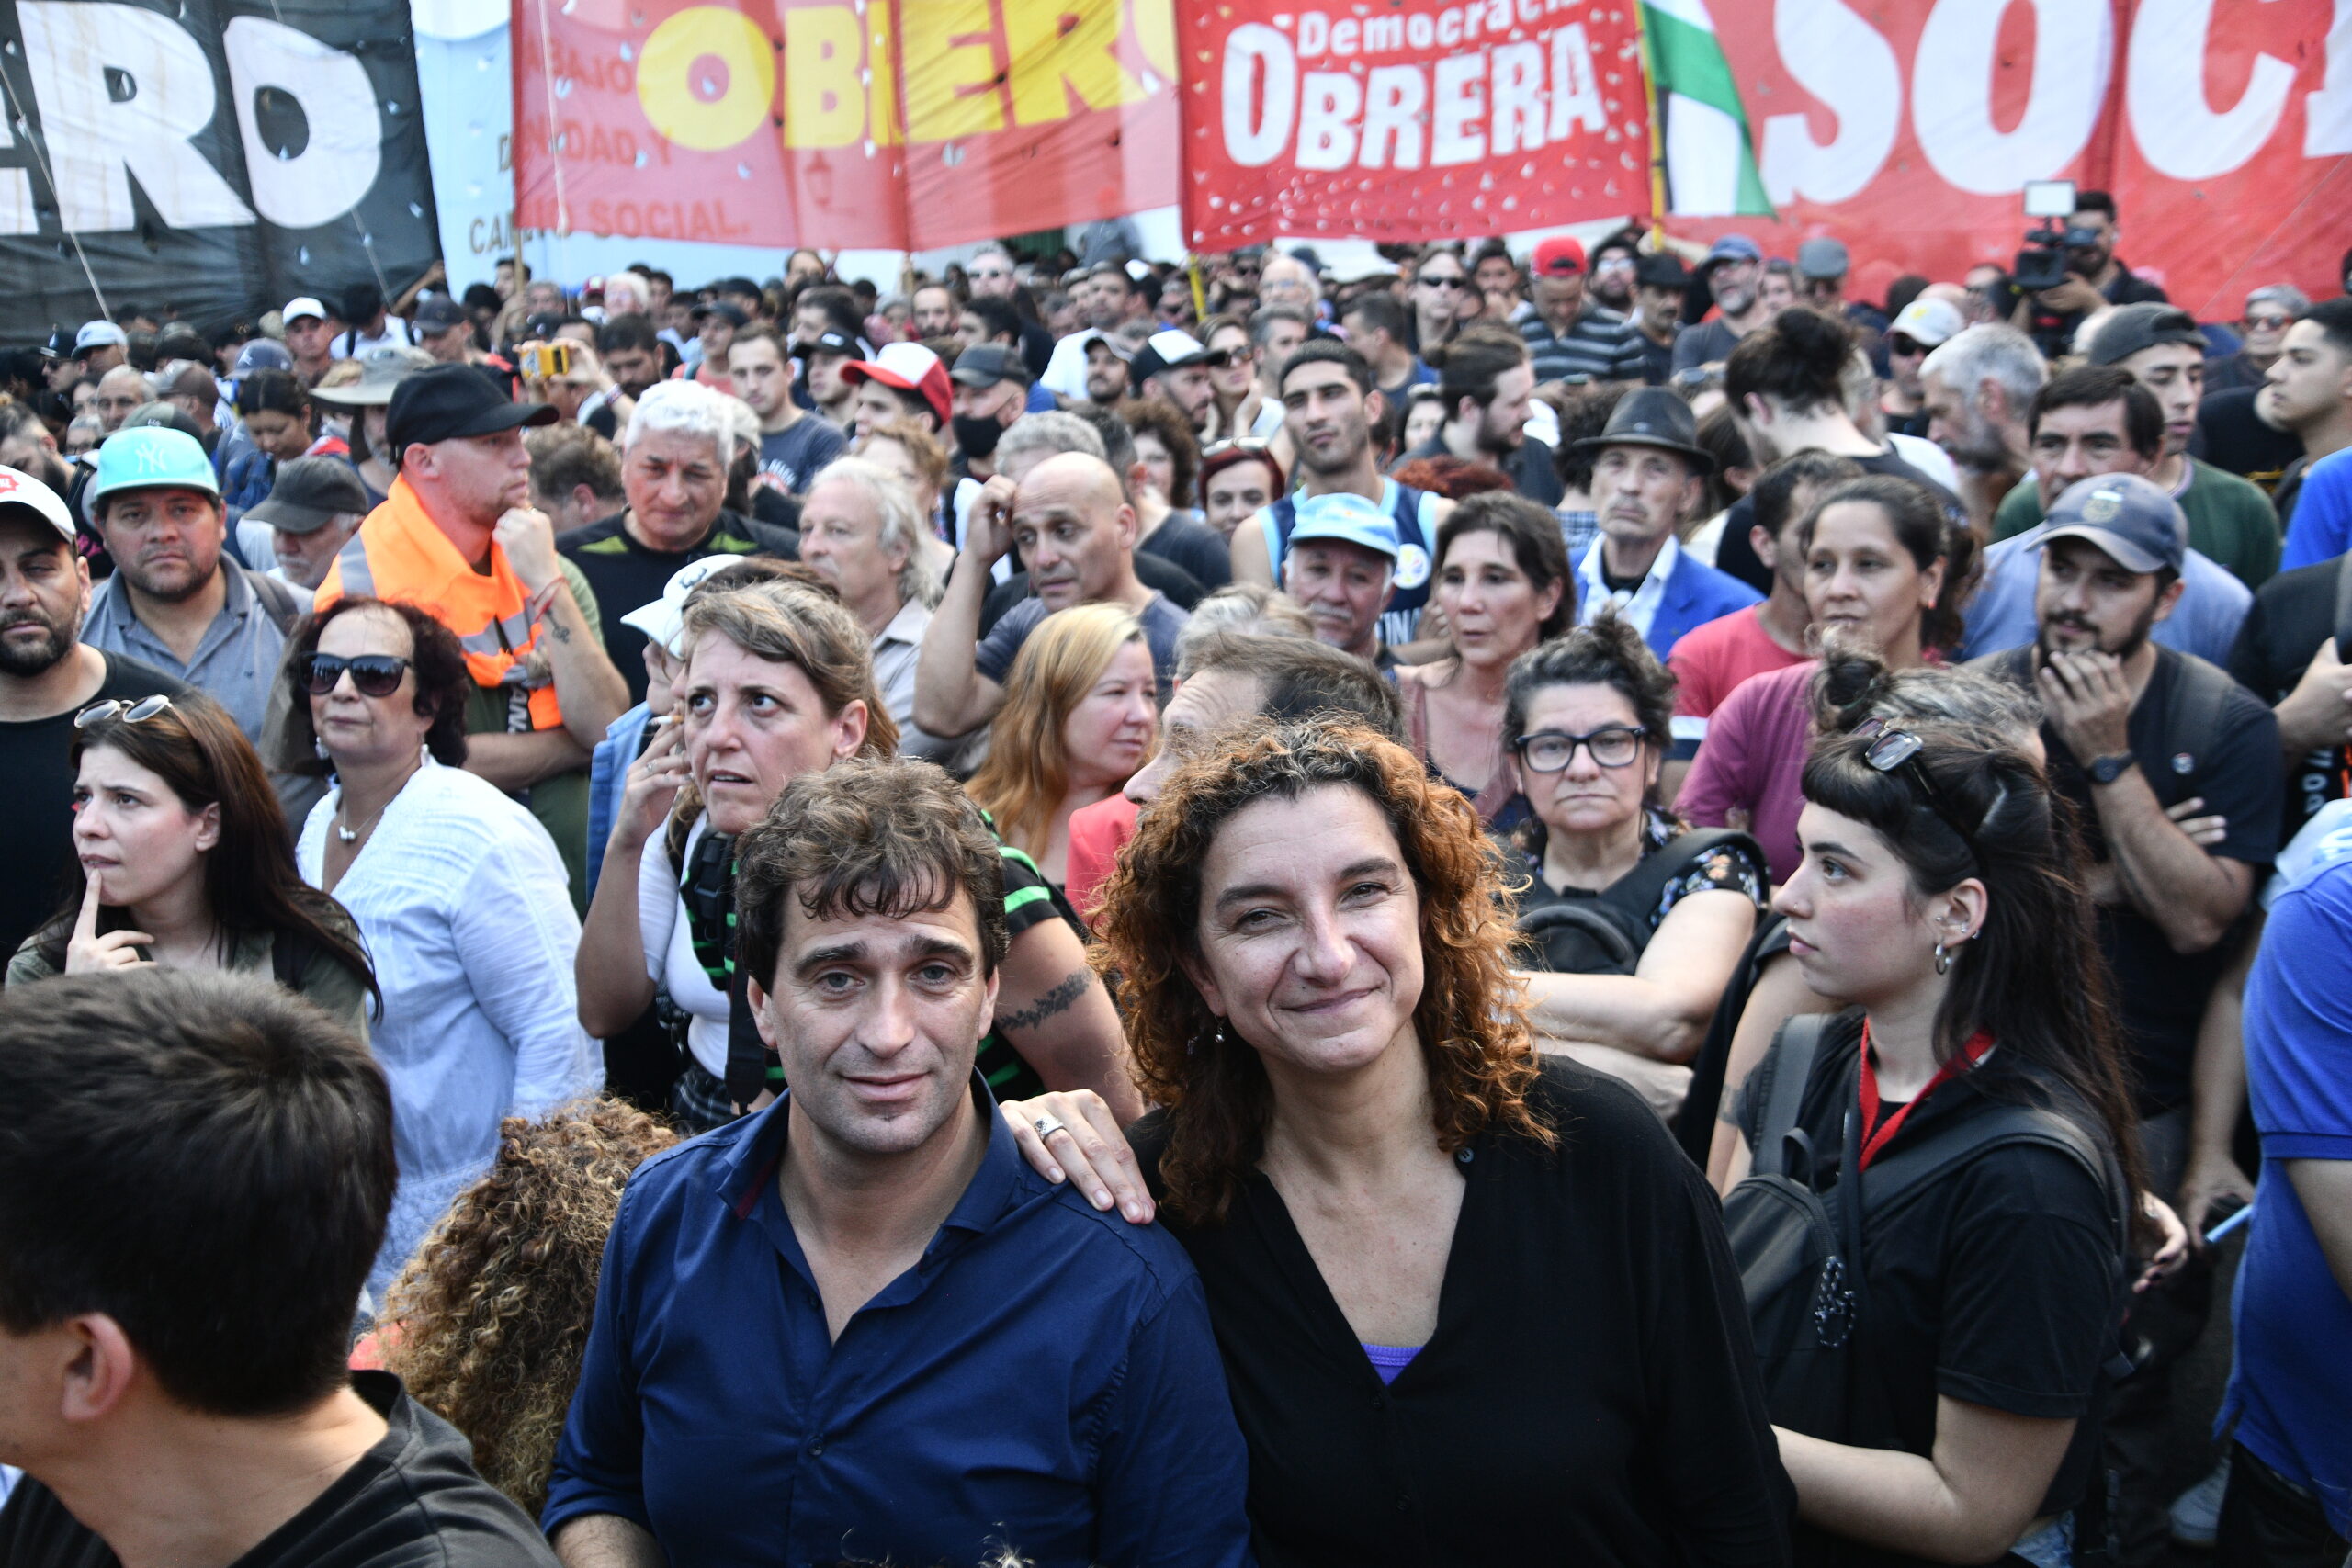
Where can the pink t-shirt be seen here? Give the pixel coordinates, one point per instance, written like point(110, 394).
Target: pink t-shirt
point(1710, 661)
point(1753, 761)
point(1097, 834)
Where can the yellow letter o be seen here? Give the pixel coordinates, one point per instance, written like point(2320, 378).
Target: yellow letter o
point(665, 86)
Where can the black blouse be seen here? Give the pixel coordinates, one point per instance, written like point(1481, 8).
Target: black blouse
point(1589, 1395)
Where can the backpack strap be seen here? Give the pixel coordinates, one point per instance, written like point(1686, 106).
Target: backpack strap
point(1283, 513)
point(2343, 603)
point(1907, 1171)
point(290, 954)
point(1637, 892)
point(1789, 1068)
point(277, 600)
point(2205, 691)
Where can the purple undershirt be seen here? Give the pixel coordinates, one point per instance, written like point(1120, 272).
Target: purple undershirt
point(1390, 1360)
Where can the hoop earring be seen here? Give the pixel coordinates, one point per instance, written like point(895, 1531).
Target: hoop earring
point(1943, 959)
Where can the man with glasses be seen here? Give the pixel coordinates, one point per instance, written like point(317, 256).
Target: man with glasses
point(2262, 331)
point(1572, 336)
point(1440, 285)
point(47, 676)
point(1734, 274)
point(1924, 325)
point(1616, 262)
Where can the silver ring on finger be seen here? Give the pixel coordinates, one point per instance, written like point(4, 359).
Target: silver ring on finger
point(1047, 1125)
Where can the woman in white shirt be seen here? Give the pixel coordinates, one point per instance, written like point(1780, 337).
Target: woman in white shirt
point(458, 893)
point(778, 684)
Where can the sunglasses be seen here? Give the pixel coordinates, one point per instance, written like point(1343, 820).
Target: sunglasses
point(123, 708)
point(1907, 346)
point(372, 674)
point(1455, 282)
point(1894, 750)
point(1220, 358)
point(1549, 751)
point(2268, 323)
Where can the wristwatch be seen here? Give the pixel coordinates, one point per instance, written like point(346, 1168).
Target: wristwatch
point(2107, 769)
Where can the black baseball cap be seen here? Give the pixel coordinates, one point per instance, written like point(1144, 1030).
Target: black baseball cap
point(732, 314)
point(451, 402)
point(986, 364)
point(309, 493)
point(832, 343)
point(2130, 328)
point(436, 313)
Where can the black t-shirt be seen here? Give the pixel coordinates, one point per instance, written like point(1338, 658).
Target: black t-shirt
point(1737, 555)
point(1999, 1284)
point(1195, 549)
point(2235, 438)
point(790, 458)
point(1531, 469)
point(626, 574)
point(2292, 615)
point(413, 1501)
point(2236, 768)
point(1590, 1394)
point(36, 759)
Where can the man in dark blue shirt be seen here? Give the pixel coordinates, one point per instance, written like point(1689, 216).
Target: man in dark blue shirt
point(858, 1325)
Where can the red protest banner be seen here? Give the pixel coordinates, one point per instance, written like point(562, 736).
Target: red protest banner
point(1413, 120)
point(900, 124)
point(1908, 128)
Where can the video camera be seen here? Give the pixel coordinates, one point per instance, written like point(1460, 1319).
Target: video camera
point(2042, 264)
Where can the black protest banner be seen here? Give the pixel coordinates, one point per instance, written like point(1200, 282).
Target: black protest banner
point(211, 156)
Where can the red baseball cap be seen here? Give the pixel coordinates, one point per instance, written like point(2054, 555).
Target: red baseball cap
point(1558, 256)
point(910, 368)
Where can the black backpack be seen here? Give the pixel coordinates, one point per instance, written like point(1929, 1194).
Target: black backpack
point(1605, 934)
point(1799, 1249)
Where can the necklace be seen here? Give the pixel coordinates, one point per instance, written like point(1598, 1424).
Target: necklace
point(349, 835)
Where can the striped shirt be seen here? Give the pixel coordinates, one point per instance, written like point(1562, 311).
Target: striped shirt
point(1599, 346)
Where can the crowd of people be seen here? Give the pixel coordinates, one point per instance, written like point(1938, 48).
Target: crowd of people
point(1598, 904)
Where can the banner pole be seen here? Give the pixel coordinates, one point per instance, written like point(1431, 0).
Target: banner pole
point(1658, 138)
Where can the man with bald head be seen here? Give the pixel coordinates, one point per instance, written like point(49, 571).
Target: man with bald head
point(1072, 525)
point(1291, 284)
point(122, 392)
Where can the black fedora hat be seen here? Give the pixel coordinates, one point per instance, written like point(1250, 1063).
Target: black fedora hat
point(1653, 416)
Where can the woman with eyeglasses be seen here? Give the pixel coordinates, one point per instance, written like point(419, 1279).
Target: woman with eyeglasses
point(182, 859)
point(1940, 898)
point(1632, 923)
point(456, 888)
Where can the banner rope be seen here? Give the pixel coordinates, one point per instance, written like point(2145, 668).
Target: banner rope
point(40, 145)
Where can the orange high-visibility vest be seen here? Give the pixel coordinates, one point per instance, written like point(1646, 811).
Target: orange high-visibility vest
point(401, 553)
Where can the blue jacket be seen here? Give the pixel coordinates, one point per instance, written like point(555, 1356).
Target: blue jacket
point(1693, 594)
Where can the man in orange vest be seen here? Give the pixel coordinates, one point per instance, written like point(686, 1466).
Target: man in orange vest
point(458, 536)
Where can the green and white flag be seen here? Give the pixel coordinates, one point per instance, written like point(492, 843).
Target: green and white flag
point(1709, 152)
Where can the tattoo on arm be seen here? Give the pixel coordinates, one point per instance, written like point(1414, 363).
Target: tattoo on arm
point(558, 630)
point(1056, 1000)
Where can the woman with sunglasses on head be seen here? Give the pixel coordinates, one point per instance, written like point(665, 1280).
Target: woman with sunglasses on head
point(456, 888)
point(1940, 898)
point(182, 859)
point(1474, 1307)
point(1238, 478)
point(1632, 923)
point(1233, 372)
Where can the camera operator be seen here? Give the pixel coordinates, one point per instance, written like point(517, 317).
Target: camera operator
point(2093, 278)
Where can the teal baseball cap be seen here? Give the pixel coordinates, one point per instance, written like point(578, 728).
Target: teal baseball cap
point(1351, 519)
point(151, 457)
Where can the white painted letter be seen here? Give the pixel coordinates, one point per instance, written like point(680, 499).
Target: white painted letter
point(1395, 97)
point(338, 164)
point(1951, 92)
point(1576, 95)
point(1841, 59)
point(1253, 143)
point(2164, 93)
point(1329, 102)
point(1453, 135)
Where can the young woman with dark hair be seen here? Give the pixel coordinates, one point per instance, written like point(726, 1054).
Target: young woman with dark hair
point(1588, 717)
point(275, 411)
point(1939, 897)
point(1473, 1305)
point(182, 859)
point(1503, 583)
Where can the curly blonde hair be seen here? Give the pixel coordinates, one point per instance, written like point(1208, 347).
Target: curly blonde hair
point(1479, 1052)
point(487, 1324)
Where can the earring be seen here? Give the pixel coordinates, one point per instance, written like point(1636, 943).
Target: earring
point(1943, 959)
point(319, 747)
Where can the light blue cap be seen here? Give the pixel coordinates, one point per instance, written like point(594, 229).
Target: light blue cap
point(151, 457)
point(1350, 519)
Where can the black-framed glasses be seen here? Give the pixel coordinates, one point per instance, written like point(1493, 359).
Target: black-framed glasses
point(372, 674)
point(1550, 750)
point(1218, 358)
point(1892, 749)
point(123, 708)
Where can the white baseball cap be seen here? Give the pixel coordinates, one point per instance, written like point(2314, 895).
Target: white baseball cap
point(298, 308)
point(663, 620)
point(100, 335)
point(20, 489)
point(1930, 321)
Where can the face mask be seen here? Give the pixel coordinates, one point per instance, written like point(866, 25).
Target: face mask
point(976, 437)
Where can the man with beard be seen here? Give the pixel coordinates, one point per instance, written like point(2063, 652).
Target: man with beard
point(1976, 388)
point(2095, 278)
point(47, 677)
point(1661, 284)
point(1172, 367)
point(1328, 406)
point(1488, 382)
point(2139, 736)
point(178, 599)
point(2228, 519)
point(2090, 421)
point(1734, 272)
point(1616, 270)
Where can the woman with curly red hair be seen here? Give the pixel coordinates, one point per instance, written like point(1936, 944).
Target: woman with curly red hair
point(1474, 1308)
point(487, 1325)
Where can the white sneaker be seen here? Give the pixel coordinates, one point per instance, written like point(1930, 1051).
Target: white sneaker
point(2197, 1513)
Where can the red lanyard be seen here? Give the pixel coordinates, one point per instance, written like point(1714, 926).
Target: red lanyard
point(1876, 1137)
